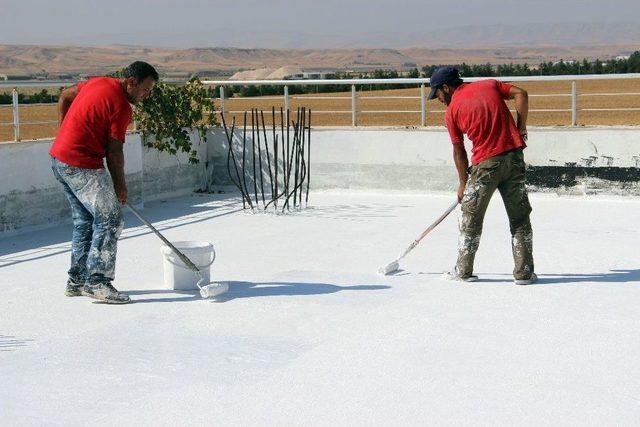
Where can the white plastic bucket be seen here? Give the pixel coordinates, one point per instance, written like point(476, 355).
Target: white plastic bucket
point(180, 277)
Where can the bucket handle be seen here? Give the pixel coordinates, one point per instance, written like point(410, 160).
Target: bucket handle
point(213, 258)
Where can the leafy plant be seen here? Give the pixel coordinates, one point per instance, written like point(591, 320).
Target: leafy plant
point(166, 118)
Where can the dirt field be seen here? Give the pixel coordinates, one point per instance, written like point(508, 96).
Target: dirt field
point(407, 109)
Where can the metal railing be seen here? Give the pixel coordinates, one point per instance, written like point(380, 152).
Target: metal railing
point(354, 111)
point(15, 105)
point(354, 97)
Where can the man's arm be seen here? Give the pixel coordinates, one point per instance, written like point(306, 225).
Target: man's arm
point(462, 166)
point(64, 102)
point(522, 108)
point(115, 164)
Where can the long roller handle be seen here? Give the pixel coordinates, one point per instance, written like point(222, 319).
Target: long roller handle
point(437, 221)
point(182, 256)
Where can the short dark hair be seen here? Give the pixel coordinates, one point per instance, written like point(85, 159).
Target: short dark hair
point(140, 70)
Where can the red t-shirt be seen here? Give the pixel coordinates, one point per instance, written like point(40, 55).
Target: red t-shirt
point(478, 109)
point(100, 111)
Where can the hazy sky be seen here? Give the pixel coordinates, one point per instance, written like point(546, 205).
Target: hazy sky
point(251, 23)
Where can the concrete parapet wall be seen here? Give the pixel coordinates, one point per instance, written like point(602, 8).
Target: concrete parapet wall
point(30, 196)
point(605, 159)
point(564, 160)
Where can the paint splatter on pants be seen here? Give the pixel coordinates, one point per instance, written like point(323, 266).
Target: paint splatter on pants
point(97, 222)
point(506, 172)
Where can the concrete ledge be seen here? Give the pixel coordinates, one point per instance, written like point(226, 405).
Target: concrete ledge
point(594, 160)
point(563, 160)
point(30, 197)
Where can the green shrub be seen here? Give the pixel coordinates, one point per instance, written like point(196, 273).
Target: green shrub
point(166, 118)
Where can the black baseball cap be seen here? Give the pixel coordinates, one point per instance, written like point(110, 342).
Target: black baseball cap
point(442, 76)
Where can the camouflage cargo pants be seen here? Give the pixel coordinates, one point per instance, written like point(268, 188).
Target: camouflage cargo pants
point(505, 172)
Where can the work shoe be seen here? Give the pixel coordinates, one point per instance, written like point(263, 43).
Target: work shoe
point(532, 279)
point(73, 289)
point(453, 275)
point(105, 292)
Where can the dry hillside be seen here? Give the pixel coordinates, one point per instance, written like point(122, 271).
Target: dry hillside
point(25, 59)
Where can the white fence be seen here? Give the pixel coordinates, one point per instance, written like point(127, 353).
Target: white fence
point(423, 82)
point(354, 111)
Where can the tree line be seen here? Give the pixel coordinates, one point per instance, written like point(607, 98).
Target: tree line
point(44, 96)
point(613, 66)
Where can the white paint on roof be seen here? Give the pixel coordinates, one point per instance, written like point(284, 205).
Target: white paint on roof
point(309, 334)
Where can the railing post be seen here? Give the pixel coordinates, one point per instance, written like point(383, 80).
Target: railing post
point(221, 99)
point(354, 114)
point(16, 116)
point(423, 106)
point(286, 103)
point(574, 104)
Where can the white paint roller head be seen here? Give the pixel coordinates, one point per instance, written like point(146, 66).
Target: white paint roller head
point(392, 267)
point(213, 290)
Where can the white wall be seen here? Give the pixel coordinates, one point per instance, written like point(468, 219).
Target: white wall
point(31, 197)
point(431, 147)
point(421, 159)
point(351, 158)
point(32, 156)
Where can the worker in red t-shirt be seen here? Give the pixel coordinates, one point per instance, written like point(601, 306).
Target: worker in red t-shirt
point(94, 116)
point(479, 110)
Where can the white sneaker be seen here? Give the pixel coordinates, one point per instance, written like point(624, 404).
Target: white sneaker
point(453, 275)
point(532, 279)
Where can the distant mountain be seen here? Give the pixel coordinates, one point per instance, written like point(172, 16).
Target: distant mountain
point(558, 34)
point(98, 60)
point(483, 36)
point(474, 44)
point(567, 35)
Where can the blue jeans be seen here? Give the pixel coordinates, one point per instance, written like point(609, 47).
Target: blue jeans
point(97, 222)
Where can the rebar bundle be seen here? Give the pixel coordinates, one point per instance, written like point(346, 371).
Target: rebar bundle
point(284, 160)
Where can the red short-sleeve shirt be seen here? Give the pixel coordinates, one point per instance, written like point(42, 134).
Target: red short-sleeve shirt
point(478, 110)
point(100, 111)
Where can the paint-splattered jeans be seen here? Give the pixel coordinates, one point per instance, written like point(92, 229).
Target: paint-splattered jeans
point(97, 222)
point(506, 172)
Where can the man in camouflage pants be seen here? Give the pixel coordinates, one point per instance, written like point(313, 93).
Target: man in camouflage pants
point(479, 110)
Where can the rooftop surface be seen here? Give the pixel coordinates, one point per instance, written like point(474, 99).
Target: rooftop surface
point(309, 334)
